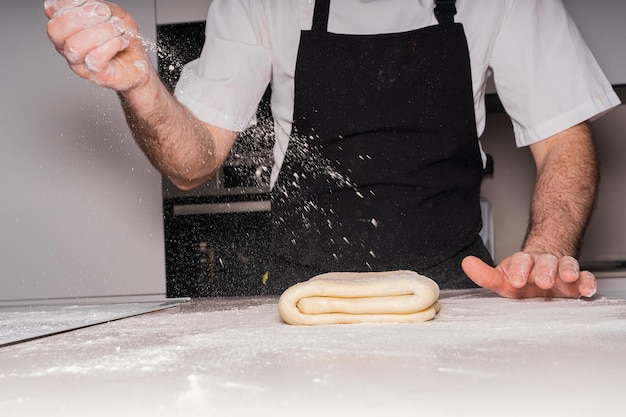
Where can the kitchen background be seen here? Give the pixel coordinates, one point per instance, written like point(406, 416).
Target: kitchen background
point(82, 214)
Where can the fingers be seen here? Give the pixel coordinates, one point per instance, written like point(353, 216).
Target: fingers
point(482, 274)
point(76, 32)
point(518, 269)
point(67, 21)
point(569, 269)
point(544, 271)
point(52, 7)
point(541, 275)
point(100, 42)
point(587, 284)
point(97, 61)
point(81, 45)
point(562, 276)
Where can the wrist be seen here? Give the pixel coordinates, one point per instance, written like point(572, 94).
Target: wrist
point(539, 245)
point(145, 90)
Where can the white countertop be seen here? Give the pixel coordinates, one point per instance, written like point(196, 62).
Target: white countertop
point(482, 356)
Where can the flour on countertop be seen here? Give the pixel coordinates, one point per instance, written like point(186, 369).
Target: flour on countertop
point(208, 356)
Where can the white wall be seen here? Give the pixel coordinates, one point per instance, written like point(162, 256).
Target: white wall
point(80, 214)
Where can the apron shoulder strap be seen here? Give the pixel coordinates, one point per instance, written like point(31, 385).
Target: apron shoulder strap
point(445, 11)
point(320, 15)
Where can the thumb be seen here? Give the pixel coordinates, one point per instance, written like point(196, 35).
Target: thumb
point(482, 274)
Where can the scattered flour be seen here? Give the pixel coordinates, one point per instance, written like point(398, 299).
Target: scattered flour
point(235, 357)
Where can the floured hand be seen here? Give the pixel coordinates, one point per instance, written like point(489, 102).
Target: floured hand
point(100, 42)
point(527, 275)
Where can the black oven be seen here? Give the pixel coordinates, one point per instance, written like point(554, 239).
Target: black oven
point(216, 236)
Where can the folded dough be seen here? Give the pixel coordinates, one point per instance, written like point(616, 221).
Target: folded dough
point(360, 297)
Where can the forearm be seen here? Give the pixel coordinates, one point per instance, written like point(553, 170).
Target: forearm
point(564, 194)
point(101, 43)
point(180, 146)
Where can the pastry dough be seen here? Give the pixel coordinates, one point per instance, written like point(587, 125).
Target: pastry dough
point(360, 297)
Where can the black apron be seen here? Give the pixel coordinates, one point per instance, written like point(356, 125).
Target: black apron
point(383, 168)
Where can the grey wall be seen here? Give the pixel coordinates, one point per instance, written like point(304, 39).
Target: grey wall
point(601, 23)
point(80, 210)
point(181, 11)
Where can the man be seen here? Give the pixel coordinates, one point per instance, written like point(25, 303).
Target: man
point(378, 108)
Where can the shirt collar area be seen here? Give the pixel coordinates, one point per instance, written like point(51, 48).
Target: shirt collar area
point(373, 17)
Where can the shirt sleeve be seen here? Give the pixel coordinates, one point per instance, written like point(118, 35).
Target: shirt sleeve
point(545, 75)
point(225, 85)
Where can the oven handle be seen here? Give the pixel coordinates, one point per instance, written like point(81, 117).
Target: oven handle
point(222, 208)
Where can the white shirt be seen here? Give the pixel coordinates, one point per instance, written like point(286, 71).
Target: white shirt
point(544, 73)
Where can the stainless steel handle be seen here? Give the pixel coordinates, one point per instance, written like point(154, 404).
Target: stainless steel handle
point(222, 208)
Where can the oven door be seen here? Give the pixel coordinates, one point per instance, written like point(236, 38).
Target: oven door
point(218, 247)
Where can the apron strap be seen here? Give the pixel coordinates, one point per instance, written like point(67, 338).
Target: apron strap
point(445, 11)
point(320, 16)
